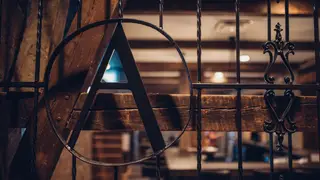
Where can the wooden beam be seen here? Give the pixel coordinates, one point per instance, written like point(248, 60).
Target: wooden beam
point(222, 67)
point(77, 59)
point(172, 113)
point(307, 78)
point(170, 81)
point(162, 88)
point(248, 7)
point(249, 45)
point(119, 112)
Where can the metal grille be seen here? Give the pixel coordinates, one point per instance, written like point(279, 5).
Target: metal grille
point(280, 125)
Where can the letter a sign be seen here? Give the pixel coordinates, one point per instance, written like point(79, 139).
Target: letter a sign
point(120, 44)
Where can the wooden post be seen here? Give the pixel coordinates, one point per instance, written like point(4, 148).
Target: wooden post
point(79, 55)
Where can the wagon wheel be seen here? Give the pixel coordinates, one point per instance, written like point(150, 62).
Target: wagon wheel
point(134, 83)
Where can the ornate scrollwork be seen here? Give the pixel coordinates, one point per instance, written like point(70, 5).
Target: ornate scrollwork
point(278, 123)
point(283, 123)
point(278, 48)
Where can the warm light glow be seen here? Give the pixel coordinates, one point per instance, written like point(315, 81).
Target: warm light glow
point(108, 66)
point(110, 76)
point(244, 58)
point(218, 77)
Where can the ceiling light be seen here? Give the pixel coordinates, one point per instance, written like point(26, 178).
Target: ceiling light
point(110, 76)
point(229, 25)
point(218, 77)
point(244, 58)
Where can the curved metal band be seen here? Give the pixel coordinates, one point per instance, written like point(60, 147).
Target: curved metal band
point(57, 51)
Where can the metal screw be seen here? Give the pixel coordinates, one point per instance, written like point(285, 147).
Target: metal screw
point(59, 118)
point(67, 97)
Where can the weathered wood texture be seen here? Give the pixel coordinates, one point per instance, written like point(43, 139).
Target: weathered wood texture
point(118, 111)
point(13, 15)
point(12, 110)
point(79, 55)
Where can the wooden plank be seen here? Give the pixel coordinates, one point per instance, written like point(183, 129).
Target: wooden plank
point(307, 78)
point(79, 55)
point(119, 112)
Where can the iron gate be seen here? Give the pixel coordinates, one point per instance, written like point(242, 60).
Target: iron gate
point(277, 48)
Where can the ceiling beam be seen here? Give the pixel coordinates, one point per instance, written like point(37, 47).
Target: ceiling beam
point(248, 7)
point(251, 45)
point(222, 67)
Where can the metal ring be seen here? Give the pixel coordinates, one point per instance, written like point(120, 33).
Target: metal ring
point(60, 47)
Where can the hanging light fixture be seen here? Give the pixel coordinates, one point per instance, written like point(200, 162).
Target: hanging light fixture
point(218, 77)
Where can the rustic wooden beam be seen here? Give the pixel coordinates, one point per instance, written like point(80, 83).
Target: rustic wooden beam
point(222, 67)
point(307, 78)
point(209, 44)
point(119, 112)
point(171, 82)
point(79, 55)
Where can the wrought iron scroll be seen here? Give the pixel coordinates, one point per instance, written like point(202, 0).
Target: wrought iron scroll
point(281, 122)
point(278, 125)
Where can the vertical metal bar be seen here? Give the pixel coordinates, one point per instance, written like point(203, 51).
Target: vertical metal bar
point(270, 134)
point(3, 170)
point(237, 3)
point(287, 19)
point(161, 14)
point(120, 9)
point(238, 101)
point(158, 169)
point(74, 159)
point(290, 154)
point(36, 89)
point(199, 74)
point(287, 23)
point(115, 172)
point(269, 20)
point(74, 167)
point(199, 40)
point(271, 155)
point(317, 59)
point(108, 9)
point(199, 136)
point(0, 21)
point(79, 17)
